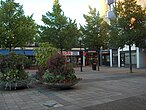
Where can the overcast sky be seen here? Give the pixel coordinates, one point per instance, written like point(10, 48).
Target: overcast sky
point(72, 8)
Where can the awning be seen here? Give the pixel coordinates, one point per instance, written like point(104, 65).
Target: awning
point(19, 52)
point(29, 52)
point(4, 52)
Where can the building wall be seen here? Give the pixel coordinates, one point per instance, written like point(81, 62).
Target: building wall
point(142, 58)
point(126, 48)
point(138, 57)
point(133, 56)
point(110, 8)
point(120, 58)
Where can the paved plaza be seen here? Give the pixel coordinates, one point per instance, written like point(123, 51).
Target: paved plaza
point(107, 89)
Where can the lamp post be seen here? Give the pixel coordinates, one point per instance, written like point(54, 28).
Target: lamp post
point(101, 55)
point(80, 40)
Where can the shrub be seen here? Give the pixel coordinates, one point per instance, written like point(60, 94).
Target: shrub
point(12, 69)
point(12, 61)
point(42, 53)
point(58, 71)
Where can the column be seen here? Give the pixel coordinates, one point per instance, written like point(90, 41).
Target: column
point(84, 60)
point(111, 58)
point(119, 58)
point(101, 56)
point(137, 58)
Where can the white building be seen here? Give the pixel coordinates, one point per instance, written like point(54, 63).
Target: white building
point(120, 57)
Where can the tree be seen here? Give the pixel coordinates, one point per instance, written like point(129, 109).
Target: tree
point(95, 31)
point(16, 29)
point(42, 53)
point(59, 30)
point(114, 37)
point(130, 22)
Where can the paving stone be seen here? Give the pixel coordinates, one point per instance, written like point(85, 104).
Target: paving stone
point(25, 109)
point(132, 103)
point(107, 89)
point(14, 108)
point(56, 108)
point(35, 105)
point(52, 103)
point(3, 107)
point(72, 107)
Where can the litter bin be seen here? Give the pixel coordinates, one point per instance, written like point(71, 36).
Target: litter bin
point(94, 66)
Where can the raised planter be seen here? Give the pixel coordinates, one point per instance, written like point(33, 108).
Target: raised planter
point(62, 85)
point(14, 84)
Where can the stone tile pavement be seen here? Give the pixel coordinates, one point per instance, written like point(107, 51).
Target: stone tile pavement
point(107, 89)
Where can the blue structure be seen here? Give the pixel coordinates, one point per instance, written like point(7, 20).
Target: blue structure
point(18, 51)
point(29, 53)
point(4, 52)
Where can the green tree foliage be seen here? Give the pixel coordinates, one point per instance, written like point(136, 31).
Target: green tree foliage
point(114, 38)
point(16, 29)
point(59, 30)
point(95, 31)
point(130, 24)
point(42, 53)
point(131, 19)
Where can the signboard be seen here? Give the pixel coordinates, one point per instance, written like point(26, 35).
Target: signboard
point(70, 53)
point(92, 51)
point(67, 53)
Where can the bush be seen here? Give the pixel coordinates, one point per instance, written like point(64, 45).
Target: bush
point(12, 69)
point(42, 54)
point(13, 75)
point(58, 71)
point(12, 61)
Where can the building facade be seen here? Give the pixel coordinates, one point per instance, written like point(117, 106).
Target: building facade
point(110, 7)
point(120, 57)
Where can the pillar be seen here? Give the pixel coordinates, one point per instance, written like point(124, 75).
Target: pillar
point(111, 58)
point(119, 58)
point(84, 60)
point(137, 58)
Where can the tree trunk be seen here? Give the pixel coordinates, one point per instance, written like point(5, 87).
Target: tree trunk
point(10, 47)
point(98, 60)
point(130, 59)
point(61, 51)
point(61, 47)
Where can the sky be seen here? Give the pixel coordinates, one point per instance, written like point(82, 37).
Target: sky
point(73, 9)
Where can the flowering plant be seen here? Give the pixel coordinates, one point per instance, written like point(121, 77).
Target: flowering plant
point(58, 71)
point(42, 53)
point(13, 75)
point(12, 69)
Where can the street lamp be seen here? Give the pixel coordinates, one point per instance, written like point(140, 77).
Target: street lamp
point(80, 40)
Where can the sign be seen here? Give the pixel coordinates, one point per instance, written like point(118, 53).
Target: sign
point(70, 53)
point(75, 53)
point(67, 53)
point(92, 51)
